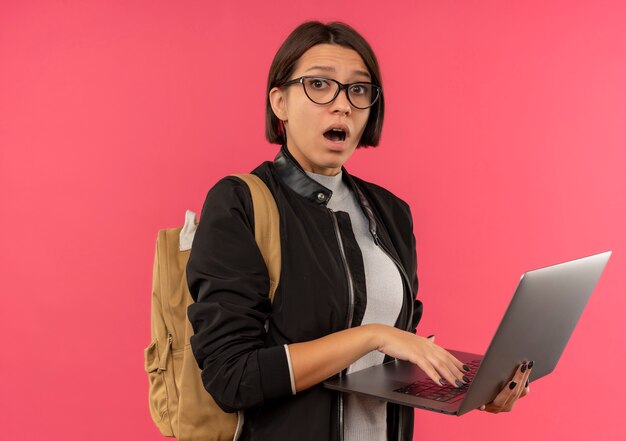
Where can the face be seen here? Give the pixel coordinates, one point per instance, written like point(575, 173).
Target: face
point(306, 123)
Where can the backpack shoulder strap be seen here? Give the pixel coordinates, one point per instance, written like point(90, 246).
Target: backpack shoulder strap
point(266, 227)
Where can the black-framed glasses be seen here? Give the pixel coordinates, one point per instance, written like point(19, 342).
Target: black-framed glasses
point(323, 90)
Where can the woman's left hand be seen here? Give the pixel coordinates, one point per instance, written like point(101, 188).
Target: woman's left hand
point(514, 389)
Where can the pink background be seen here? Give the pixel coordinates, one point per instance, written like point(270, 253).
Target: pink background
point(505, 132)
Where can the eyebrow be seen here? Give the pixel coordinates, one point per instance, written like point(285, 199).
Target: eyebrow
point(332, 69)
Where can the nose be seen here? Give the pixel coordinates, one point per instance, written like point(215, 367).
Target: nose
point(341, 104)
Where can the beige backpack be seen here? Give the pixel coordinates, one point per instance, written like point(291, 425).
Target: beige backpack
point(179, 404)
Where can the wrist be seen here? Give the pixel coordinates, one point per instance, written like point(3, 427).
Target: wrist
point(375, 335)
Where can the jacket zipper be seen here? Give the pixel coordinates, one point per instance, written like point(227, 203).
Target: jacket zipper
point(347, 269)
point(350, 309)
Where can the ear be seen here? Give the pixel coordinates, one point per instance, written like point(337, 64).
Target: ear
point(278, 101)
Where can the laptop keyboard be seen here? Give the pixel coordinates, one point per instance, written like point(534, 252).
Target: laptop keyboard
point(449, 394)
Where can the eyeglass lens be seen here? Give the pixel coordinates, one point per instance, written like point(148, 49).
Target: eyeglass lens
point(323, 91)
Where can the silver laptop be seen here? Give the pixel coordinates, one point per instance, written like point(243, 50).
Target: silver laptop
point(536, 326)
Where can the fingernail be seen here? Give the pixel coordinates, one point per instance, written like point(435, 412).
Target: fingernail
point(531, 364)
point(523, 369)
point(467, 380)
point(458, 383)
point(512, 385)
point(442, 382)
point(466, 368)
point(431, 336)
point(526, 383)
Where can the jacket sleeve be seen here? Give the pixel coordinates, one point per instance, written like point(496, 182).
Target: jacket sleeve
point(229, 283)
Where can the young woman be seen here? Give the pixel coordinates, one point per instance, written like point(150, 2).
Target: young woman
point(346, 298)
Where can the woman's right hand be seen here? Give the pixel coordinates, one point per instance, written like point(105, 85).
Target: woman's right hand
point(435, 361)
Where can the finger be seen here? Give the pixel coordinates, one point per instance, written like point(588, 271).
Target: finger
point(524, 380)
point(440, 361)
point(460, 366)
point(508, 394)
point(505, 400)
point(499, 404)
point(455, 369)
point(448, 367)
point(453, 376)
point(433, 366)
point(429, 370)
point(520, 377)
point(492, 408)
point(521, 372)
point(456, 366)
point(518, 392)
point(437, 358)
point(444, 370)
point(526, 388)
point(431, 338)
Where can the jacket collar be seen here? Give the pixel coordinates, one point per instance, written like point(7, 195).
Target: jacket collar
point(294, 176)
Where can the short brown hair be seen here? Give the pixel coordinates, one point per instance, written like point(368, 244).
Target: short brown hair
point(303, 38)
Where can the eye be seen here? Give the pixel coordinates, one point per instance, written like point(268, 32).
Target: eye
point(359, 89)
point(318, 83)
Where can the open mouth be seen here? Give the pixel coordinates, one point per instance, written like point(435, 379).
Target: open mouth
point(335, 135)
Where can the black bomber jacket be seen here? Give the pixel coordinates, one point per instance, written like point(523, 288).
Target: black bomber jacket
point(321, 291)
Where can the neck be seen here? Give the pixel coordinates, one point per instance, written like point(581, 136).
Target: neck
point(307, 166)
